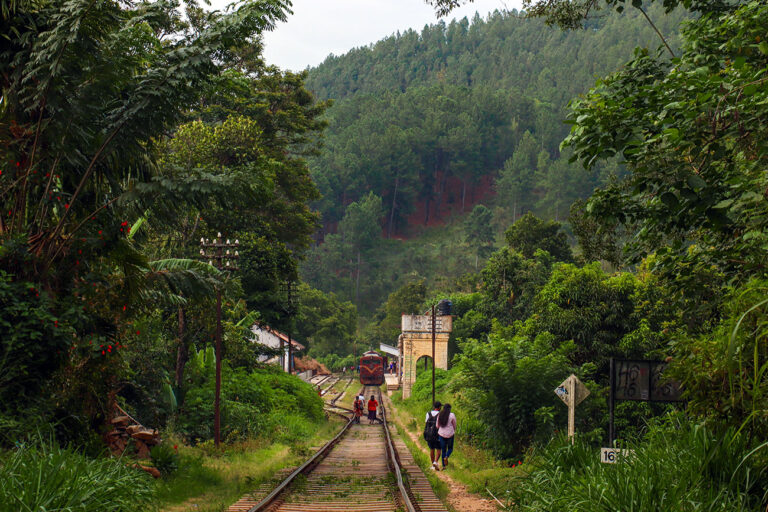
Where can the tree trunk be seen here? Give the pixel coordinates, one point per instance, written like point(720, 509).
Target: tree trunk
point(182, 353)
point(426, 211)
point(463, 193)
point(441, 190)
point(357, 281)
point(514, 208)
point(394, 205)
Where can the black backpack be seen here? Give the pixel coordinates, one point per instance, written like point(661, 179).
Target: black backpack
point(430, 429)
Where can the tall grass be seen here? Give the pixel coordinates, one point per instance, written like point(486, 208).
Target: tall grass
point(46, 478)
point(679, 466)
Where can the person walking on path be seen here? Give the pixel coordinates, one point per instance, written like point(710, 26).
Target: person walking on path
point(430, 434)
point(372, 405)
point(358, 407)
point(446, 430)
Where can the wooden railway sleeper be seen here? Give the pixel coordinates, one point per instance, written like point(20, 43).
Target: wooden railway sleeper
point(274, 498)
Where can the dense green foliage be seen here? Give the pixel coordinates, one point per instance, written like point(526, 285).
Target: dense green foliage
point(325, 323)
point(693, 137)
point(685, 221)
point(264, 402)
point(678, 466)
point(47, 477)
point(129, 131)
point(459, 100)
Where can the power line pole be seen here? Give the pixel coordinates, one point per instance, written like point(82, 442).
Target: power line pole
point(290, 322)
point(224, 261)
point(433, 353)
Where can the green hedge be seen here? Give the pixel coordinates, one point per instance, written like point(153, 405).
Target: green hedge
point(261, 403)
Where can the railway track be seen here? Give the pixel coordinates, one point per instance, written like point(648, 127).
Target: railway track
point(359, 470)
point(337, 395)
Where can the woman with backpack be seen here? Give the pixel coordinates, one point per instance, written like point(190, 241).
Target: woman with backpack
point(430, 434)
point(446, 430)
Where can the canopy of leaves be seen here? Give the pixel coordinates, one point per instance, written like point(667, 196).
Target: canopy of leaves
point(694, 139)
point(529, 234)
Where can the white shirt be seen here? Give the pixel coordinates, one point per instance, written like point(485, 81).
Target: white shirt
point(430, 413)
point(448, 430)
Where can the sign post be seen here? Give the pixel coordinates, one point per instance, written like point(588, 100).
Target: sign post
point(638, 380)
point(572, 392)
point(611, 405)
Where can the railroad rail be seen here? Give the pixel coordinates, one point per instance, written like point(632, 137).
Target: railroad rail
point(358, 470)
point(338, 395)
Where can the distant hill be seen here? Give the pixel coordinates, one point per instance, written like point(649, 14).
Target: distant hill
point(454, 102)
point(469, 112)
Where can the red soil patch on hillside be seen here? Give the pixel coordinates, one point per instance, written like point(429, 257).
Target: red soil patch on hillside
point(477, 192)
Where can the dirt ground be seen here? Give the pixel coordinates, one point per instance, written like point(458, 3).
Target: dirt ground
point(459, 498)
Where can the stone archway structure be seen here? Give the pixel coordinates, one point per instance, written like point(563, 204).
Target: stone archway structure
point(416, 341)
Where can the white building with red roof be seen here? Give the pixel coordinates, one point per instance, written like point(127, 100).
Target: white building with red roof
point(274, 339)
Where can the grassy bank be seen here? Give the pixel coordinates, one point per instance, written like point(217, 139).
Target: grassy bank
point(208, 481)
point(474, 467)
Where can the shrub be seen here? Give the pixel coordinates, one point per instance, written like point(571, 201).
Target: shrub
point(503, 382)
point(422, 388)
point(165, 458)
point(725, 373)
point(249, 400)
point(679, 466)
point(47, 477)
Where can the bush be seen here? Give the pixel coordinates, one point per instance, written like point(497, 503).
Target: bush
point(422, 388)
point(724, 372)
point(50, 478)
point(503, 382)
point(249, 399)
point(679, 466)
point(165, 458)
point(33, 340)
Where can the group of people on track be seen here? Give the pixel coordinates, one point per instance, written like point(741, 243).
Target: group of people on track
point(439, 431)
point(360, 404)
point(439, 427)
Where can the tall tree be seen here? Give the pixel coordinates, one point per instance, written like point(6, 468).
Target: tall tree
point(479, 233)
point(530, 234)
point(693, 134)
point(360, 228)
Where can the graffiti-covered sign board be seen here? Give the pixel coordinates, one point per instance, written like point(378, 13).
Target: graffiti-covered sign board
point(644, 381)
point(423, 323)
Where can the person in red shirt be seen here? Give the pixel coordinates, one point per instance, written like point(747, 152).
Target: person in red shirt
point(372, 405)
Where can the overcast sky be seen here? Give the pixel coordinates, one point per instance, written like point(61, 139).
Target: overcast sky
point(320, 27)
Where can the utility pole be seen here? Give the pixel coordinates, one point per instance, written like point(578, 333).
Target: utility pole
point(433, 353)
point(290, 324)
point(214, 253)
point(288, 308)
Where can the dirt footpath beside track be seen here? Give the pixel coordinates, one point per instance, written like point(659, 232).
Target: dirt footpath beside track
point(459, 498)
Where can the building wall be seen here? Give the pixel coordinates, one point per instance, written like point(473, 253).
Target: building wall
point(271, 340)
point(417, 342)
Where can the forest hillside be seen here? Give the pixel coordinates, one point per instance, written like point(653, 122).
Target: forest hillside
point(426, 125)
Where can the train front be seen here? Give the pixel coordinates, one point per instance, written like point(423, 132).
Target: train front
point(371, 369)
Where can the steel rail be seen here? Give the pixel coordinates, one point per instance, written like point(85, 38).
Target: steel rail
point(313, 461)
point(321, 453)
point(321, 382)
point(395, 459)
point(340, 394)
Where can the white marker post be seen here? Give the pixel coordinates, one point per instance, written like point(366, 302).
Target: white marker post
point(572, 392)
